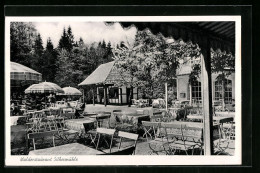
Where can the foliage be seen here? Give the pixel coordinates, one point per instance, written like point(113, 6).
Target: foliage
point(22, 38)
point(151, 61)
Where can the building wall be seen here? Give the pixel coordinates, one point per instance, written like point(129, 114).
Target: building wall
point(183, 86)
point(183, 91)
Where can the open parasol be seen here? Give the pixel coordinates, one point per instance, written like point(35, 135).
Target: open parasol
point(44, 87)
point(71, 91)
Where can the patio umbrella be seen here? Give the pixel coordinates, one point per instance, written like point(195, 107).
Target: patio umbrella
point(44, 87)
point(22, 73)
point(71, 91)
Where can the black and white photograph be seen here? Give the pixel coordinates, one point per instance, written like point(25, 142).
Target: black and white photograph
point(143, 90)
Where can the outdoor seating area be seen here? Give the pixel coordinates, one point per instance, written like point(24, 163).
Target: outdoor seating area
point(122, 130)
point(171, 92)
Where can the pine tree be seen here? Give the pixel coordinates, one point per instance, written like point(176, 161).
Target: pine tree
point(38, 47)
point(49, 45)
point(70, 37)
point(63, 40)
point(103, 44)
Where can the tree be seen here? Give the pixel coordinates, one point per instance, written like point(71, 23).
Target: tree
point(63, 40)
point(70, 38)
point(50, 62)
point(151, 61)
point(22, 38)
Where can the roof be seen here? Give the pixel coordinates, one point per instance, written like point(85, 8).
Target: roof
point(221, 33)
point(103, 74)
point(19, 68)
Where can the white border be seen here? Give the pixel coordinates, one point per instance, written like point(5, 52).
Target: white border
point(127, 160)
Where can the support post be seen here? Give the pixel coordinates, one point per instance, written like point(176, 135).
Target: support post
point(207, 97)
point(105, 95)
point(93, 97)
point(166, 96)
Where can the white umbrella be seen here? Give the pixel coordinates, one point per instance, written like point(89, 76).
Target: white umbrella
point(44, 87)
point(71, 91)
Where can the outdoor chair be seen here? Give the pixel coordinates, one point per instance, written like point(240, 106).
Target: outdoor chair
point(90, 133)
point(160, 142)
point(125, 151)
point(150, 129)
point(191, 140)
point(130, 136)
point(41, 135)
point(65, 135)
point(223, 139)
point(105, 132)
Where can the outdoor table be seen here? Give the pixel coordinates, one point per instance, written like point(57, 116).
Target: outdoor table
point(77, 124)
point(68, 149)
point(219, 120)
point(14, 119)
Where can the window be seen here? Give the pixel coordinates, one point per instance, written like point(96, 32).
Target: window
point(227, 91)
point(113, 93)
point(196, 91)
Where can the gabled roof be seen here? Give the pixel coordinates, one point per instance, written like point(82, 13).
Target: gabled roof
point(104, 74)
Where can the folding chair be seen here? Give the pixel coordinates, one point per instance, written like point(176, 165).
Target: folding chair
point(150, 129)
point(171, 133)
point(103, 131)
point(90, 132)
point(125, 151)
point(127, 135)
point(40, 135)
point(65, 135)
point(191, 139)
point(222, 142)
point(160, 142)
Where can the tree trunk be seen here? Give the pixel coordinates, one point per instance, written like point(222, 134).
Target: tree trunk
point(130, 96)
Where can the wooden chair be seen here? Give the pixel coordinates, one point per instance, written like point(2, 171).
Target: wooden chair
point(150, 129)
point(125, 151)
point(160, 143)
point(130, 136)
point(191, 139)
point(41, 135)
point(104, 131)
point(90, 132)
point(223, 139)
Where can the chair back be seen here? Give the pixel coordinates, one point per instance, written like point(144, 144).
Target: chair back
point(105, 131)
point(171, 130)
point(125, 151)
point(38, 135)
point(192, 133)
point(89, 126)
point(128, 135)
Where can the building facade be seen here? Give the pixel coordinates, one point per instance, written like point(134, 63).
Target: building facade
point(193, 92)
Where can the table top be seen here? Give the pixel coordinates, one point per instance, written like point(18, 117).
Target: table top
point(100, 116)
point(68, 149)
point(79, 121)
point(221, 119)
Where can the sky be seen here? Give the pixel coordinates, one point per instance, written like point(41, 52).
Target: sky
point(89, 31)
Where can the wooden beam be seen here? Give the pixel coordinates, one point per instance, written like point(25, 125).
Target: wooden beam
point(207, 96)
point(105, 95)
